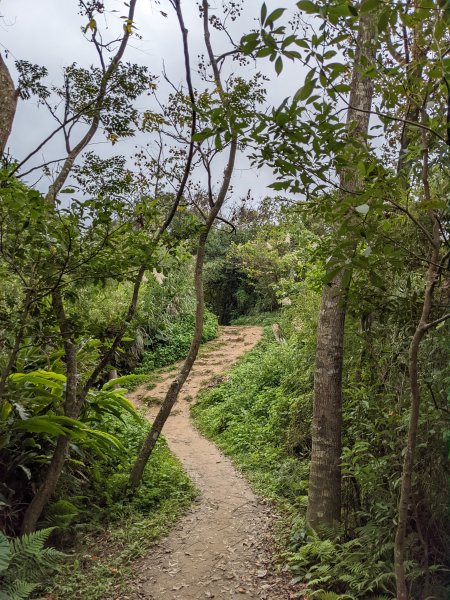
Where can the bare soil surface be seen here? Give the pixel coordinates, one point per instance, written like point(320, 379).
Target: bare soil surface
point(223, 547)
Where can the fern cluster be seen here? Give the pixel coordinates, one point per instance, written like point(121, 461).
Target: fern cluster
point(24, 562)
point(339, 569)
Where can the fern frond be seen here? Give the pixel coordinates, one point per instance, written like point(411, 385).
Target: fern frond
point(19, 590)
point(30, 544)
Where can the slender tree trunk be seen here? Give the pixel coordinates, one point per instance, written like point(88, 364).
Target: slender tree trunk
point(421, 329)
point(8, 103)
point(324, 496)
point(73, 401)
point(178, 382)
point(415, 60)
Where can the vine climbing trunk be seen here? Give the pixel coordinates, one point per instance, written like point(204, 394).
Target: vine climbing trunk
point(324, 497)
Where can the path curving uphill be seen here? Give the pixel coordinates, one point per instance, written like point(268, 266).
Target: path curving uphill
point(221, 548)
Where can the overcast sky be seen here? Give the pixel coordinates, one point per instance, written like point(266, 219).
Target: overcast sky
point(47, 32)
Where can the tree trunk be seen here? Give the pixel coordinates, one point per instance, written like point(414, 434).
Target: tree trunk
point(73, 401)
point(8, 103)
point(324, 496)
point(433, 271)
point(178, 382)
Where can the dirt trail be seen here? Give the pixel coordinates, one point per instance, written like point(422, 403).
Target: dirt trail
point(221, 549)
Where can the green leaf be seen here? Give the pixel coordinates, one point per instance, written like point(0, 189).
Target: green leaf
point(201, 136)
point(308, 7)
point(274, 16)
point(263, 52)
point(263, 13)
point(343, 10)
point(218, 142)
point(42, 424)
point(369, 5)
point(249, 43)
point(5, 410)
point(304, 92)
point(384, 20)
point(278, 65)
point(302, 44)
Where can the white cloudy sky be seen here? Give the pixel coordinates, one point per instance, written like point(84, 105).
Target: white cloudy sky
point(47, 32)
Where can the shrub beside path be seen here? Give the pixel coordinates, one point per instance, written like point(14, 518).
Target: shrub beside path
point(223, 547)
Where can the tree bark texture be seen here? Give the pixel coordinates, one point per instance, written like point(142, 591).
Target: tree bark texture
point(8, 103)
point(324, 496)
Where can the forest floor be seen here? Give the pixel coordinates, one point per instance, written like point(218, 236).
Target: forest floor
point(223, 548)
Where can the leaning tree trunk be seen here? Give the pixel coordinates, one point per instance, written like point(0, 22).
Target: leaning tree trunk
point(8, 103)
point(183, 374)
point(178, 382)
point(73, 400)
point(324, 497)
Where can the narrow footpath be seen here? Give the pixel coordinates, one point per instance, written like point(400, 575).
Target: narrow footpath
point(222, 548)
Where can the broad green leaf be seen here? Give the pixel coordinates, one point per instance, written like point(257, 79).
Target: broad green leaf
point(5, 410)
point(304, 92)
point(274, 16)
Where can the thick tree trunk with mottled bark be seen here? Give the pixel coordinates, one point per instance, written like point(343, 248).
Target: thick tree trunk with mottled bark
point(8, 103)
point(324, 497)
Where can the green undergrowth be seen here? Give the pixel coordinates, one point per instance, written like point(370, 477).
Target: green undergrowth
point(175, 342)
point(113, 528)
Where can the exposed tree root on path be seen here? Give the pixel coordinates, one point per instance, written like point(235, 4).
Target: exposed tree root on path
point(222, 548)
